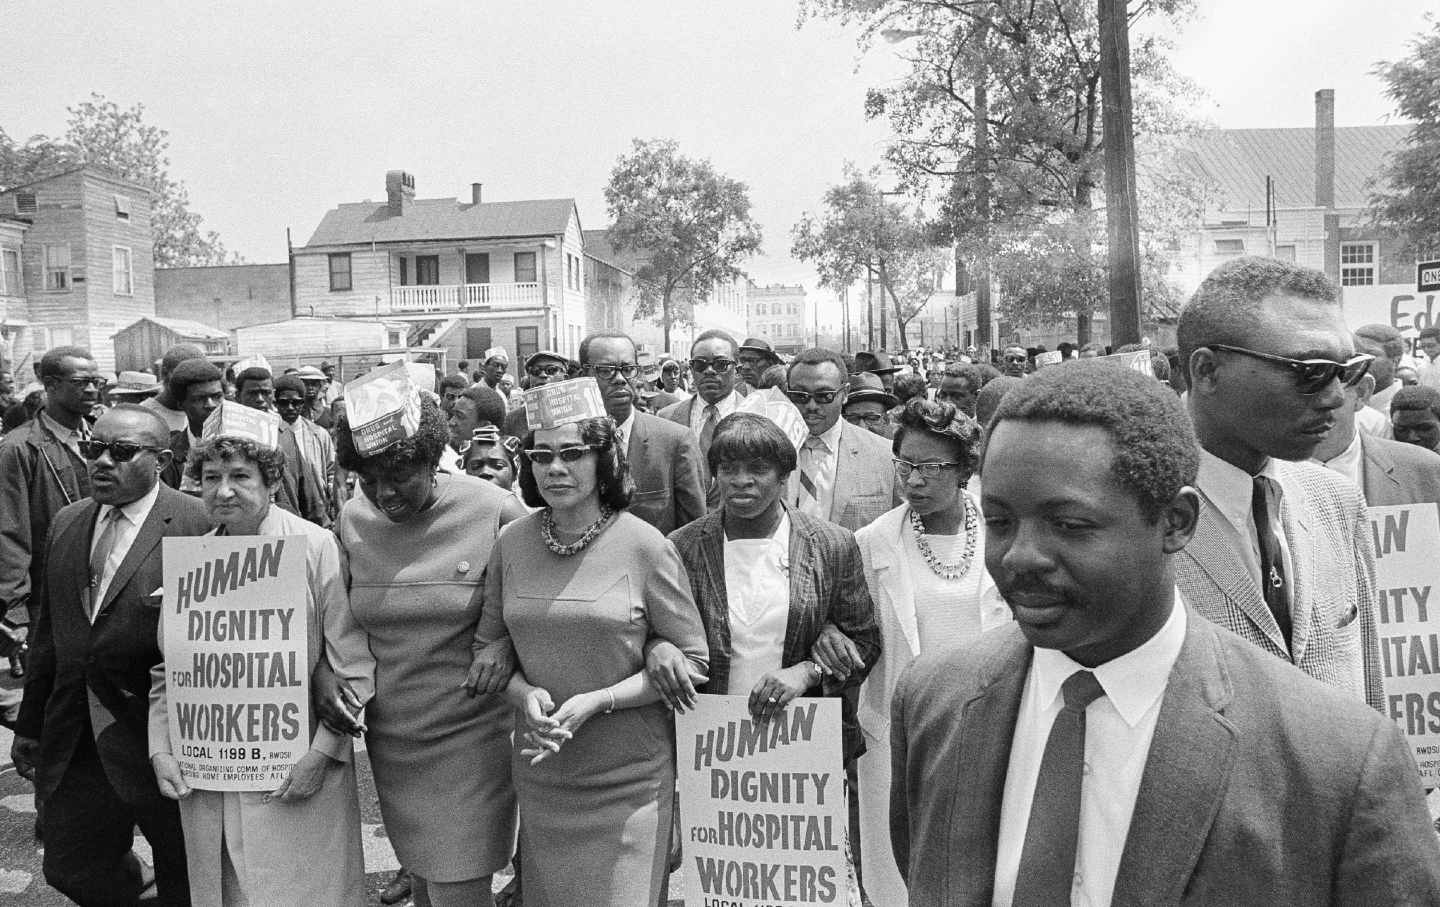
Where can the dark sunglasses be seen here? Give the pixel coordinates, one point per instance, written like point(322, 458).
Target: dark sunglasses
point(543, 457)
point(608, 372)
point(866, 418)
point(1015, 358)
point(719, 363)
point(824, 398)
point(120, 451)
point(546, 371)
point(1311, 375)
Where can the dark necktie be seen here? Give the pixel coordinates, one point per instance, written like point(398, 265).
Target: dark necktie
point(1272, 564)
point(108, 528)
point(707, 431)
point(1047, 862)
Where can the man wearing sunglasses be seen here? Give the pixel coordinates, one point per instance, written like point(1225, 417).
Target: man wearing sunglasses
point(714, 364)
point(664, 462)
point(81, 735)
point(1282, 554)
point(845, 473)
point(41, 470)
point(543, 367)
point(1013, 361)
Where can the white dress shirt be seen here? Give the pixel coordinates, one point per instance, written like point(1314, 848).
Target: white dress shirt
point(820, 465)
point(1372, 422)
point(757, 591)
point(1230, 490)
point(622, 432)
point(723, 408)
point(132, 516)
point(1119, 728)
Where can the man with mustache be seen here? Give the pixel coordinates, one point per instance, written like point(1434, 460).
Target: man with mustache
point(715, 368)
point(1111, 745)
point(1282, 555)
point(81, 736)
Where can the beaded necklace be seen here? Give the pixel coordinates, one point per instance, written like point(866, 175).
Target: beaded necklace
point(938, 567)
point(547, 532)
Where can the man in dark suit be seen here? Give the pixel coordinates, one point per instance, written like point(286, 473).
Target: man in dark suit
point(1283, 553)
point(664, 461)
point(715, 366)
point(81, 735)
point(1113, 746)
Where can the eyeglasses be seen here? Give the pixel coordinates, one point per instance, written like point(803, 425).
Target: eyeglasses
point(1014, 358)
point(608, 372)
point(549, 370)
point(120, 451)
point(867, 418)
point(824, 398)
point(719, 363)
point(1311, 375)
point(85, 381)
point(903, 468)
point(543, 457)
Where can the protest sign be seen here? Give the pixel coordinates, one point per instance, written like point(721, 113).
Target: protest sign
point(762, 806)
point(551, 405)
point(1049, 357)
point(1406, 539)
point(382, 408)
point(1138, 361)
point(237, 672)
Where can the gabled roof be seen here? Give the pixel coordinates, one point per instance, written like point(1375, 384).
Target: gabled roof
point(443, 218)
point(99, 170)
point(597, 245)
point(184, 327)
point(1238, 160)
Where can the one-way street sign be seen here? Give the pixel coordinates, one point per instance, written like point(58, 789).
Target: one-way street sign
point(1427, 276)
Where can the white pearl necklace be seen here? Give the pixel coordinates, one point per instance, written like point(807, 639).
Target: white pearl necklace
point(937, 566)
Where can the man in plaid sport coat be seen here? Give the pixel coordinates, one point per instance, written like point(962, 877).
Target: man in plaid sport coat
point(1267, 356)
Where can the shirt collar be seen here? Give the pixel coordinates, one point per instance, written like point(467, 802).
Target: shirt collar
point(1133, 681)
point(831, 436)
point(1345, 461)
point(137, 511)
point(623, 429)
point(1229, 487)
point(58, 430)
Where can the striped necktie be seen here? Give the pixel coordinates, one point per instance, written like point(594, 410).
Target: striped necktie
point(811, 463)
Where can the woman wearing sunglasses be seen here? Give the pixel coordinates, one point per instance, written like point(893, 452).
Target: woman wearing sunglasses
point(925, 568)
point(579, 587)
point(417, 542)
point(299, 844)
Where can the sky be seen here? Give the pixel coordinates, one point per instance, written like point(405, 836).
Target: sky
point(279, 111)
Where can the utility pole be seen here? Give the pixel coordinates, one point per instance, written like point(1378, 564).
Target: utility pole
point(845, 315)
point(1122, 228)
point(869, 308)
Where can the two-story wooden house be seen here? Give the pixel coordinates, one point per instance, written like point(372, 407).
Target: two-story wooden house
point(465, 274)
point(76, 263)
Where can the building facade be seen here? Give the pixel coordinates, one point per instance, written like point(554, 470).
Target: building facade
point(467, 275)
point(780, 313)
point(77, 261)
point(225, 296)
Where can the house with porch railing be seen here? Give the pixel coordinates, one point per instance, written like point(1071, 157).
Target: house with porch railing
point(464, 274)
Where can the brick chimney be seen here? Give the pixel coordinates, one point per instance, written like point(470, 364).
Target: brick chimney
point(399, 191)
point(1325, 148)
point(475, 192)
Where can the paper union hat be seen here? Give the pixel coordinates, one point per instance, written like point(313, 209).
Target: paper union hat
point(232, 420)
point(1050, 357)
point(1138, 361)
point(383, 408)
point(553, 405)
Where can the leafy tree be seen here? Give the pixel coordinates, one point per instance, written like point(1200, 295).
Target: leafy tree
point(1000, 118)
point(100, 132)
point(861, 234)
point(689, 225)
point(1405, 195)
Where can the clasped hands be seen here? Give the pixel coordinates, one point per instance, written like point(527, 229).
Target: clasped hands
point(547, 728)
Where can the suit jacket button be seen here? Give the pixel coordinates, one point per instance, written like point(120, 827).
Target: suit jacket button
point(463, 567)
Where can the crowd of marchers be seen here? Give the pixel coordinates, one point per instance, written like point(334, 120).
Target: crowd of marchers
point(1098, 634)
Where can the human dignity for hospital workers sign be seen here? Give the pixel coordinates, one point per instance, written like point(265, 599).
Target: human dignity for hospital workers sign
point(762, 806)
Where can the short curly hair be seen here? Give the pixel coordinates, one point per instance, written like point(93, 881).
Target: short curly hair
point(612, 472)
point(1155, 450)
point(908, 387)
point(750, 436)
point(1225, 307)
point(421, 450)
point(270, 460)
point(1418, 398)
point(941, 419)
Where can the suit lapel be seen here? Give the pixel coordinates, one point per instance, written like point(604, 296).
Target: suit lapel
point(803, 594)
point(1302, 562)
point(713, 548)
point(75, 540)
point(845, 455)
point(637, 451)
point(892, 574)
point(1213, 551)
point(146, 539)
point(1377, 470)
point(1186, 775)
point(987, 728)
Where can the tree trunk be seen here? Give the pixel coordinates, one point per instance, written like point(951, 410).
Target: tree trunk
point(665, 318)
